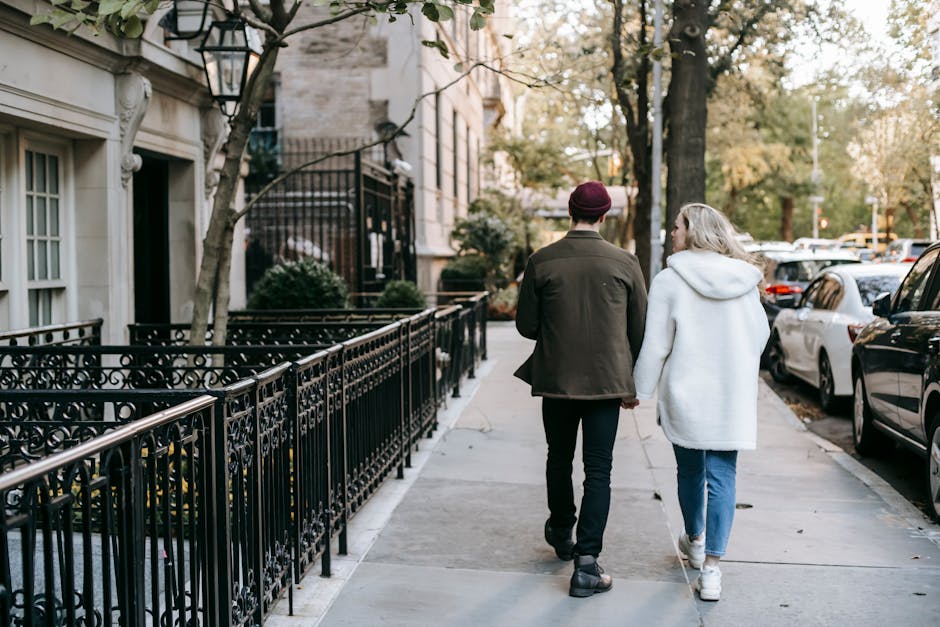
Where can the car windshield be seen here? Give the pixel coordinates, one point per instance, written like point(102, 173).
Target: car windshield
point(806, 269)
point(870, 287)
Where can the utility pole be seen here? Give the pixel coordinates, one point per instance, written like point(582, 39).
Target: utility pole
point(815, 199)
point(656, 217)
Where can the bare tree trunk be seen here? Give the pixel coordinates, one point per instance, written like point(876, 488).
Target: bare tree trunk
point(688, 108)
point(638, 121)
point(217, 245)
point(732, 204)
point(786, 218)
point(915, 219)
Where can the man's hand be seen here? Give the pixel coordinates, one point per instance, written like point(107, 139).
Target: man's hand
point(629, 404)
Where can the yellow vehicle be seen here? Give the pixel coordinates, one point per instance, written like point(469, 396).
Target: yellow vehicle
point(864, 240)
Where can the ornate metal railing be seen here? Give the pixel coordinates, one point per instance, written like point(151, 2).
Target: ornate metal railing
point(84, 333)
point(220, 515)
point(116, 530)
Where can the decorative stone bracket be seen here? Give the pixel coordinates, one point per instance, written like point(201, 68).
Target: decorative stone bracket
point(133, 97)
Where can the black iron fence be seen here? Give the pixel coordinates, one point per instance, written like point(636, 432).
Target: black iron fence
point(352, 214)
point(84, 333)
point(207, 511)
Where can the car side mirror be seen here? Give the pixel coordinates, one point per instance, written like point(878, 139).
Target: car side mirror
point(881, 307)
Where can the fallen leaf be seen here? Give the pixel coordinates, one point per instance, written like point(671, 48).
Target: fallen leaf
point(788, 605)
point(915, 557)
point(657, 496)
point(743, 506)
point(920, 594)
point(799, 531)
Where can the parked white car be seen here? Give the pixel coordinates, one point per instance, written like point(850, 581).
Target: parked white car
point(814, 341)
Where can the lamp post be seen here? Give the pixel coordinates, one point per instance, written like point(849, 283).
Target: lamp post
point(186, 19)
point(873, 201)
point(816, 201)
point(230, 52)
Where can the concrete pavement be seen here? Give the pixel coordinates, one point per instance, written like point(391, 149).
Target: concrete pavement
point(816, 540)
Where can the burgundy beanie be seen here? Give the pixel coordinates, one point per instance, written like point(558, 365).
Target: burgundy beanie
point(589, 200)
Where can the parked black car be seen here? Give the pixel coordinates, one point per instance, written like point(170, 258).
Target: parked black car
point(896, 371)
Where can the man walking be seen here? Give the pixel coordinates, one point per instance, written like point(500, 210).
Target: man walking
point(583, 300)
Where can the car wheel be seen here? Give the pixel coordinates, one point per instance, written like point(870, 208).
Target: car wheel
point(778, 369)
point(864, 435)
point(933, 469)
point(827, 387)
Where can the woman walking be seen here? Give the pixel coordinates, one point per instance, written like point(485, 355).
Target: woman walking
point(705, 330)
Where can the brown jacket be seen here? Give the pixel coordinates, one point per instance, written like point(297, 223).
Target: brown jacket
point(583, 301)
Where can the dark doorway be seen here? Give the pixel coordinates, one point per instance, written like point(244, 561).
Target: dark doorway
point(151, 241)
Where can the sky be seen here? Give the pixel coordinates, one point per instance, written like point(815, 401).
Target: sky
point(874, 16)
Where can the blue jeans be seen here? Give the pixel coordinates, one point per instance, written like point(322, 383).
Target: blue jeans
point(717, 469)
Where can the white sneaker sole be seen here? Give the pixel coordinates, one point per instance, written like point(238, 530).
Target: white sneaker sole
point(707, 594)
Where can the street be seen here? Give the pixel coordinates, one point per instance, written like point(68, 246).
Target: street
point(901, 468)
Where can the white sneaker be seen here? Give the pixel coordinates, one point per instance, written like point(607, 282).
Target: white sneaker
point(709, 583)
point(694, 550)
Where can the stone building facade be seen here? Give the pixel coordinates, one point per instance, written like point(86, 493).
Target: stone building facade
point(105, 146)
point(354, 79)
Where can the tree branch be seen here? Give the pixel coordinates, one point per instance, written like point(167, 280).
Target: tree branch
point(262, 12)
point(723, 64)
point(235, 217)
point(339, 17)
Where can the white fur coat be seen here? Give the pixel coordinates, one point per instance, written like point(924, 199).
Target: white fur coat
point(705, 330)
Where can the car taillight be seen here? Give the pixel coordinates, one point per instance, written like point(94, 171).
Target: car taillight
point(854, 330)
point(909, 260)
point(782, 289)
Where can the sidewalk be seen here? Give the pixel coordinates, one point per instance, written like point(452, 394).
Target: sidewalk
point(816, 541)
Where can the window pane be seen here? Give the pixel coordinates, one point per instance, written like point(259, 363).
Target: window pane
point(45, 300)
point(29, 171)
point(33, 308)
point(53, 174)
point(40, 215)
point(40, 172)
point(54, 260)
point(42, 267)
point(29, 215)
point(54, 217)
point(30, 262)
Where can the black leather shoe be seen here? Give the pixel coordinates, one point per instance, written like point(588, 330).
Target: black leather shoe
point(588, 578)
point(560, 540)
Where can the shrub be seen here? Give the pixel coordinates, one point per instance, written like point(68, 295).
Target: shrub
point(466, 267)
point(401, 294)
point(304, 284)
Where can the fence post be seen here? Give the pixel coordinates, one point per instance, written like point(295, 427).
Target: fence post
point(361, 236)
point(327, 457)
point(344, 453)
point(220, 527)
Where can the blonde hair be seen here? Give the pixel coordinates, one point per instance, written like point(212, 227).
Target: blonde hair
point(710, 230)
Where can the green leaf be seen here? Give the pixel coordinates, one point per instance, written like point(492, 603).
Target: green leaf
point(80, 5)
point(133, 27)
point(151, 5)
point(430, 11)
point(487, 6)
point(131, 8)
point(458, 67)
point(444, 13)
point(440, 45)
point(60, 18)
point(39, 19)
point(56, 3)
point(109, 7)
point(477, 21)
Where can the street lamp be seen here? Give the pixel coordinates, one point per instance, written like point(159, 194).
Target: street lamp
point(186, 19)
point(230, 52)
point(815, 201)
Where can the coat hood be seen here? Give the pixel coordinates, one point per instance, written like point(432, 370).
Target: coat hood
point(714, 275)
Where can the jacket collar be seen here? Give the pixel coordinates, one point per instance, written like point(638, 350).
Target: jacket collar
point(584, 233)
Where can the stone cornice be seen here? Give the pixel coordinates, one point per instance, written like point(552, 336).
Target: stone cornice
point(164, 67)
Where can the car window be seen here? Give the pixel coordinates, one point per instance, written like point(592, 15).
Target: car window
point(915, 283)
point(918, 249)
point(811, 295)
point(870, 287)
point(830, 293)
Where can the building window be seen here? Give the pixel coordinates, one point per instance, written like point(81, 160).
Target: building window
point(437, 140)
point(456, 169)
point(43, 236)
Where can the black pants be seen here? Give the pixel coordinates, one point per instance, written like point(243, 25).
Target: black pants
point(599, 431)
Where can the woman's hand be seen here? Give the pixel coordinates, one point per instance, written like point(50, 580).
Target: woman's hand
point(629, 403)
